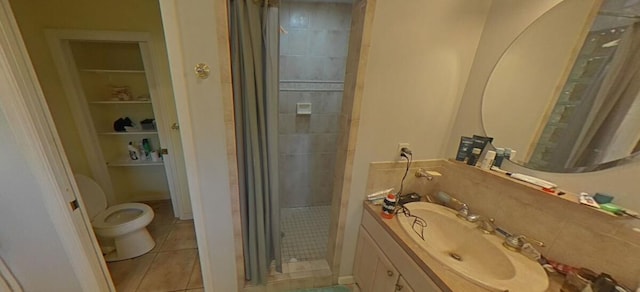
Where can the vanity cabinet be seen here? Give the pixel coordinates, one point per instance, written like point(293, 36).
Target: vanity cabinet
point(381, 265)
point(403, 285)
point(372, 270)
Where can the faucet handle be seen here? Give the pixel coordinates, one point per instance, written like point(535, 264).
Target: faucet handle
point(532, 241)
point(515, 242)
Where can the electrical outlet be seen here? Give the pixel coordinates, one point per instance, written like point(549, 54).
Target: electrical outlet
point(398, 150)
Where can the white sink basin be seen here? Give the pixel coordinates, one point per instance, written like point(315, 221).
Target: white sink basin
point(465, 250)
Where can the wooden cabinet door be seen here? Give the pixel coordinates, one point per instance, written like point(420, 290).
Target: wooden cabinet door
point(403, 286)
point(373, 272)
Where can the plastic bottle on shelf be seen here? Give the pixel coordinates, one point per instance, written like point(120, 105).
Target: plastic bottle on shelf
point(134, 154)
point(146, 146)
point(473, 158)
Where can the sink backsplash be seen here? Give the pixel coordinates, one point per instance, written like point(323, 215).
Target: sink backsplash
point(573, 234)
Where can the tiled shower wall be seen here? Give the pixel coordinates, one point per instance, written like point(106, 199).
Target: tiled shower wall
point(313, 51)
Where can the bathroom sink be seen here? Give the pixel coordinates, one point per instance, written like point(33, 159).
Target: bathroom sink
point(465, 250)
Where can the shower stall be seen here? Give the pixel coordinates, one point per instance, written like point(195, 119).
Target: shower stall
point(314, 37)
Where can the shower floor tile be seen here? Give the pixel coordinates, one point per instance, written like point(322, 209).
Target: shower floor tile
point(305, 233)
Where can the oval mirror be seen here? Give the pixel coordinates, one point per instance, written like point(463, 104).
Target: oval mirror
point(565, 94)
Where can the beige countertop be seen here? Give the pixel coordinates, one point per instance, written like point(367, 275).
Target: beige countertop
point(444, 278)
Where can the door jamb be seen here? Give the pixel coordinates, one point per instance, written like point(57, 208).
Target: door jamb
point(23, 102)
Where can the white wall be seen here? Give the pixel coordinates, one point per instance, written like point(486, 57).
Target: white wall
point(196, 32)
point(29, 243)
point(420, 56)
point(506, 20)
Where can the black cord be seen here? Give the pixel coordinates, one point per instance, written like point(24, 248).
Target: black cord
point(408, 156)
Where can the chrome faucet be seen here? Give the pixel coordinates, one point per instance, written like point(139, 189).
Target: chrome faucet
point(460, 207)
point(428, 174)
point(487, 225)
point(465, 214)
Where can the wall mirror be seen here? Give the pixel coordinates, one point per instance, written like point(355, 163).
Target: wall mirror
point(566, 93)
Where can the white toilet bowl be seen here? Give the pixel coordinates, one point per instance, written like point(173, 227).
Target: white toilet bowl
point(124, 224)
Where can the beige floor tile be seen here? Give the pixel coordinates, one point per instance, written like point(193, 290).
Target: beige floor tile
point(194, 290)
point(169, 271)
point(181, 236)
point(163, 212)
point(159, 234)
point(301, 283)
point(128, 274)
point(278, 286)
point(195, 281)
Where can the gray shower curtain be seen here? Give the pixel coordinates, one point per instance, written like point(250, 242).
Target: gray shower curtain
point(255, 50)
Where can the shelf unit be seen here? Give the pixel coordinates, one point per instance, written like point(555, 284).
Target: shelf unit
point(98, 68)
point(90, 65)
point(129, 133)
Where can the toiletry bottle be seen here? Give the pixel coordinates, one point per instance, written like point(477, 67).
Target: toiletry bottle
point(147, 147)
point(499, 157)
point(389, 206)
point(512, 157)
point(133, 152)
point(487, 162)
point(143, 155)
point(507, 153)
point(466, 143)
point(473, 158)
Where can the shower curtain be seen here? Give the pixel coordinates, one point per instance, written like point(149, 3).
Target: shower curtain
point(255, 49)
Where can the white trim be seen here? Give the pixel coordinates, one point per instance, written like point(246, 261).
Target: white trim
point(174, 51)
point(179, 189)
point(22, 101)
point(58, 41)
point(346, 280)
point(217, 262)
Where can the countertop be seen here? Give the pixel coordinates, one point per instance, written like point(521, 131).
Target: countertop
point(445, 279)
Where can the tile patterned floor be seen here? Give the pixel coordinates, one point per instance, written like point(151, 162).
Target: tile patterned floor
point(172, 265)
point(306, 233)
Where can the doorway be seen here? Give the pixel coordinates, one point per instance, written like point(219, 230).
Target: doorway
point(313, 53)
point(85, 57)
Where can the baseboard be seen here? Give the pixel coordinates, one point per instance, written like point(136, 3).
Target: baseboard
point(150, 197)
point(346, 280)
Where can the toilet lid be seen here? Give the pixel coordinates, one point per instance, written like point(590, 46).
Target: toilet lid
point(92, 195)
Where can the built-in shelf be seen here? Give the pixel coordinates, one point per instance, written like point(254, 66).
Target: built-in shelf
point(125, 163)
point(121, 102)
point(567, 196)
point(129, 133)
point(112, 71)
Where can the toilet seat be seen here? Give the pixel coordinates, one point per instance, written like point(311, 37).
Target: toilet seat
point(105, 224)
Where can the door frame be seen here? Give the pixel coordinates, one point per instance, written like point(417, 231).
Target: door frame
point(23, 102)
point(59, 44)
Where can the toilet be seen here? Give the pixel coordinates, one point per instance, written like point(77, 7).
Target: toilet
point(121, 229)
